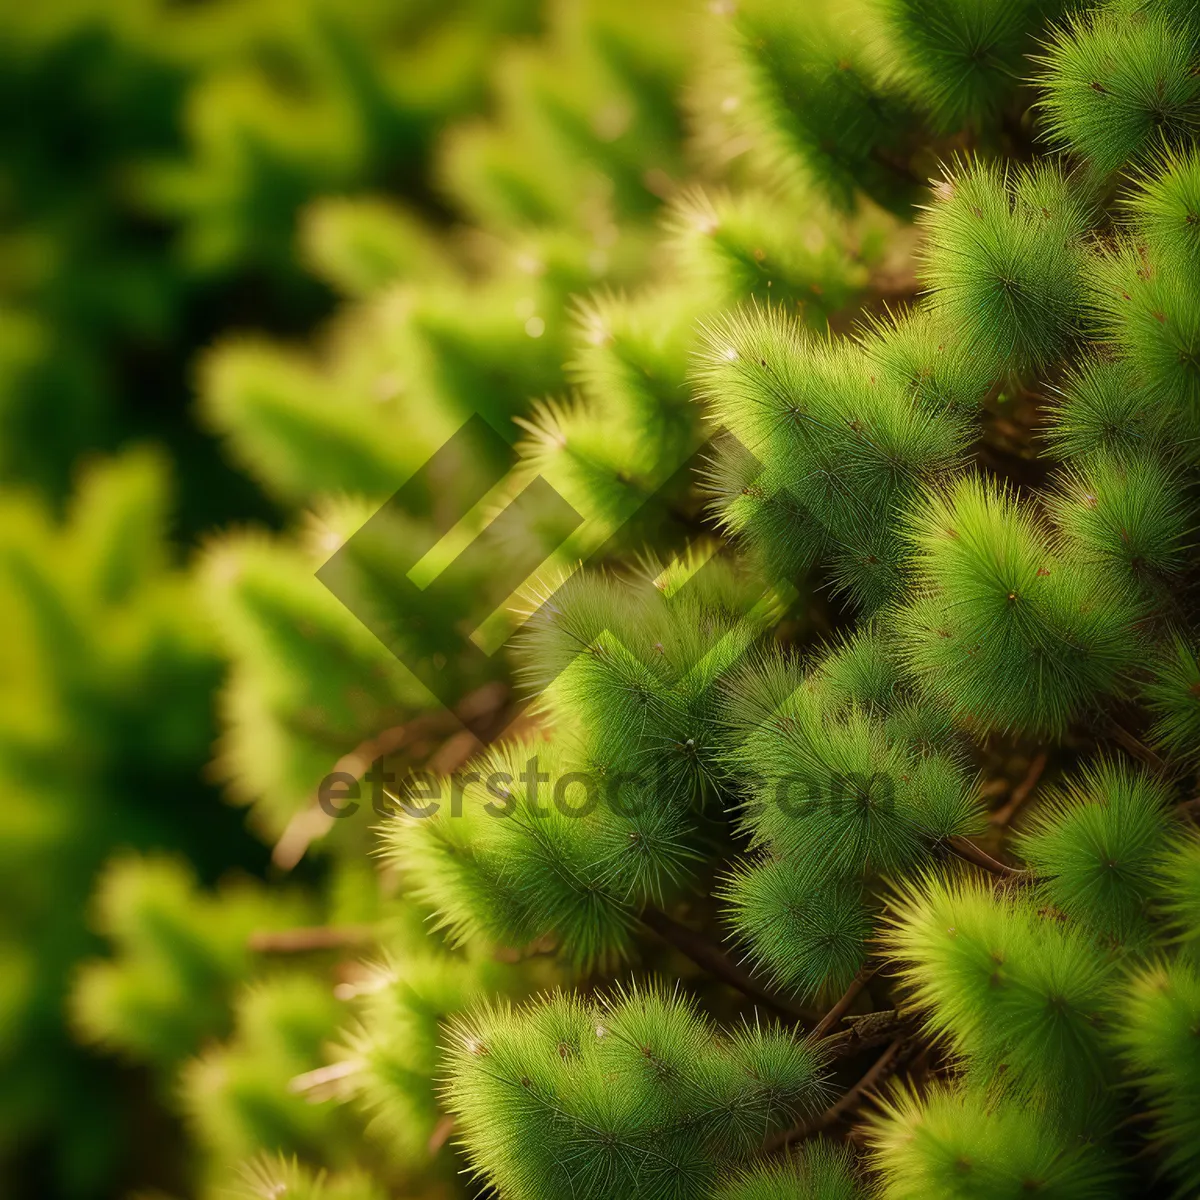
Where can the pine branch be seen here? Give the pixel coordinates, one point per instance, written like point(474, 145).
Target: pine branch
point(1189, 810)
point(324, 1083)
point(457, 744)
point(897, 167)
point(441, 1133)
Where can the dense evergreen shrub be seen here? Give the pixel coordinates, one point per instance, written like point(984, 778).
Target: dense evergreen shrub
point(846, 850)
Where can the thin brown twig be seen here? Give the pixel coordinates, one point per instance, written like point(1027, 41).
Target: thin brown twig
point(708, 956)
point(845, 1104)
point(1004, 815)
point(842, 1007)
point(967, 849)
point(308, 938)
point(1138, 749)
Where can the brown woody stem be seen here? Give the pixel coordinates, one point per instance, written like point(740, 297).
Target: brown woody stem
point(1138, 749)
point(842, 1007)
point(872, 1029)
point(966, 849)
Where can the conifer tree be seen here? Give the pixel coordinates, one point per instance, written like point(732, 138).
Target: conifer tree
point(857, 834)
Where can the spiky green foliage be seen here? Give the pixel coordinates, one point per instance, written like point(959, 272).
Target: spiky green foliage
point(1103, 408)
point(938, 370)
point(1157, 1030)
point(806, 932)
point(1145, 291)
point(721, 766)
point(1004, 260)
point(1129, 514)
point(1001, 609)
point(1173, 695)
point(390, 1058)
point(960, 1145)
point(630, 1096)
point(826, 452)
point(1165, 207)
point(961, 62)
point(1120, 81)
point(749, 246)
point(837, 795)
point(536, 846)
point(363, 416)
point(1004, 630)
point(287, 427)
point(318, 1056)
point(635, 664)
point(1147, 305)
point(821, 1172)
point(1016, 995)
point(616, 443)
point(1181, 893)
point(817, 98)
point(570, 837)
point(1098, 848)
